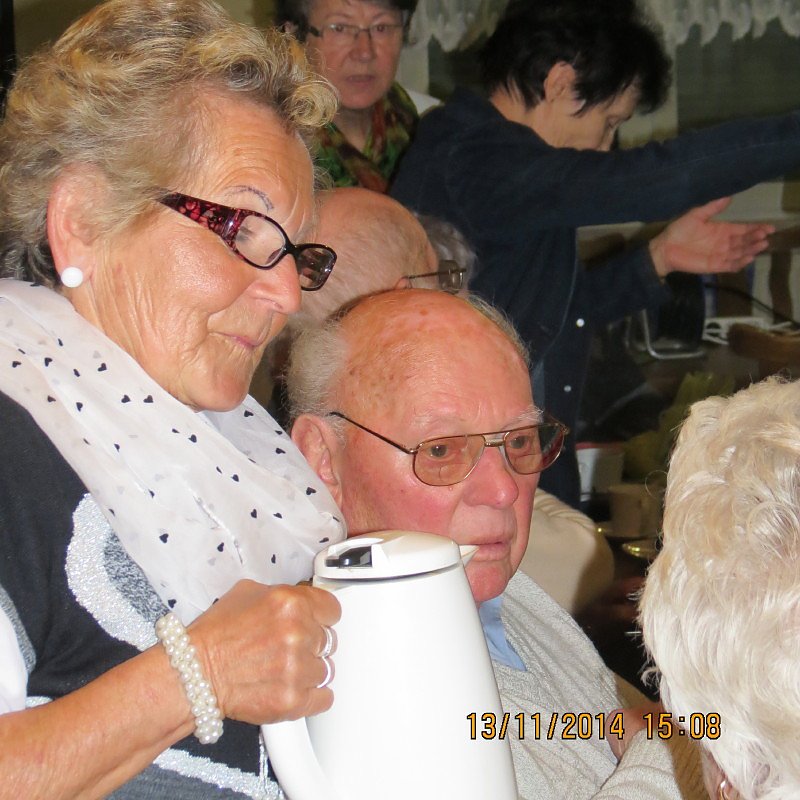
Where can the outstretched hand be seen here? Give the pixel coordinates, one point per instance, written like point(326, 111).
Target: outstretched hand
point(697, 243)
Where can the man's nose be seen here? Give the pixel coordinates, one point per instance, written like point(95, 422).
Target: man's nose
point(492, 482)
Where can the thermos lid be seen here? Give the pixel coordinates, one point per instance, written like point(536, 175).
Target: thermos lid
point(387, 554)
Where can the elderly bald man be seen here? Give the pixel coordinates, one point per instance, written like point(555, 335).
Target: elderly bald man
point(380, 245)
point(365, 394)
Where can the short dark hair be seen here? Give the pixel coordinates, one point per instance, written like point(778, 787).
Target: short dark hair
point(610, 44)
point(294, 13)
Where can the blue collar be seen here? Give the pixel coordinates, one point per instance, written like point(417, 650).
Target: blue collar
point(499, 647)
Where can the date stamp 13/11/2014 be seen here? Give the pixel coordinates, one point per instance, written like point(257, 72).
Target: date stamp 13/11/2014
point(570, 725)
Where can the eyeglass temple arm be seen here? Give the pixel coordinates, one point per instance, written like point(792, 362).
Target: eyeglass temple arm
point(410, 451)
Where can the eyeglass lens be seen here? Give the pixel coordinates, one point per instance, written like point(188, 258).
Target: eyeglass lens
point(262, 242)
point(450, 459)
point(258, 240)
point(314, 264)
point(451, 280)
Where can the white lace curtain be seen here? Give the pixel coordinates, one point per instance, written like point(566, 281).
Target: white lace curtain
point(677, 17)
point(455, 23)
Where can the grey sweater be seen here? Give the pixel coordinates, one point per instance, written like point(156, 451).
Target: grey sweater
point(565, 674)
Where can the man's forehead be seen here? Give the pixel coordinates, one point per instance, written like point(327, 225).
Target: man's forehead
point(406, 348)
point(396, 323)
point(380, 373)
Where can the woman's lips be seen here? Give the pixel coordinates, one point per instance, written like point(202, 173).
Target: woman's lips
point(248, 342)
point(360, 80)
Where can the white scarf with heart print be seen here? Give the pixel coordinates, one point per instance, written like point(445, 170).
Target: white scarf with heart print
point(198, 500)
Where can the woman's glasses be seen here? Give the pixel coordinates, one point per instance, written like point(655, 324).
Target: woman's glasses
point(338, 34)
point(256, 238)
point(447, 460)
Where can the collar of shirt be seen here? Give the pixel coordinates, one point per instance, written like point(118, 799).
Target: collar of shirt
point(500, 648)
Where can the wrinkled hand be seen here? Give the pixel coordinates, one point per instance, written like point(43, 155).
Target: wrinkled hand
point(260, 645)
point(632, 723)
point(696, 243)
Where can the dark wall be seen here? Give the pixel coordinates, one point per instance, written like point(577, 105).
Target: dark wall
point(7, 49)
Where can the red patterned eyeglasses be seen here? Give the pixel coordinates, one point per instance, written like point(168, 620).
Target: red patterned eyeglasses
point(256, 238)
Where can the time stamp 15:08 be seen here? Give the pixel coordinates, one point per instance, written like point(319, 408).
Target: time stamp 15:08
point(570, 725)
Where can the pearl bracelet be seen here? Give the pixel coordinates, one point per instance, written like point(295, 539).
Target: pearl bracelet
point(182, 657)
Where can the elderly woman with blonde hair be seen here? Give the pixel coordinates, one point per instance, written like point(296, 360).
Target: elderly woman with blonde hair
point(157, 197)
point(721, 605)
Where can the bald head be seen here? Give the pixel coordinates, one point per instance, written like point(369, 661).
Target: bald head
point(426, 334)
point(377, 242)
point(387, 341)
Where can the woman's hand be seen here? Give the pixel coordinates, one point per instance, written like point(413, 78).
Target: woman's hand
point(260, 648)
point(632, 722)
point(697, 243)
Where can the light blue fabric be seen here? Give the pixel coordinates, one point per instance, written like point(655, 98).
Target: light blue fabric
point(499, 647)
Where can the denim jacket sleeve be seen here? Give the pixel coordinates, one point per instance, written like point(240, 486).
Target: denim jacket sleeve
point(517, 181)
point(623, 284)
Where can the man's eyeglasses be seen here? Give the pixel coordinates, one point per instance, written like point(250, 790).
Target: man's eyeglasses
point(338, 34)
point(449, 278)
point(447, 460)
point(256, 238)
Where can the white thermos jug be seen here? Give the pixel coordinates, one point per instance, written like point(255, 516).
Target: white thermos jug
point(411, 667)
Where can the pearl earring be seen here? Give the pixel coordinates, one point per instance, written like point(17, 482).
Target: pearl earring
point(72, 277)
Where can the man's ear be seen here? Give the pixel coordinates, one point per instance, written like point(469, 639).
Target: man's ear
point(71, 232)
point(320, 445)
point(560, 85)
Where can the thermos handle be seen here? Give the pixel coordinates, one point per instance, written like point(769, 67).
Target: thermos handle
point(295, 763)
